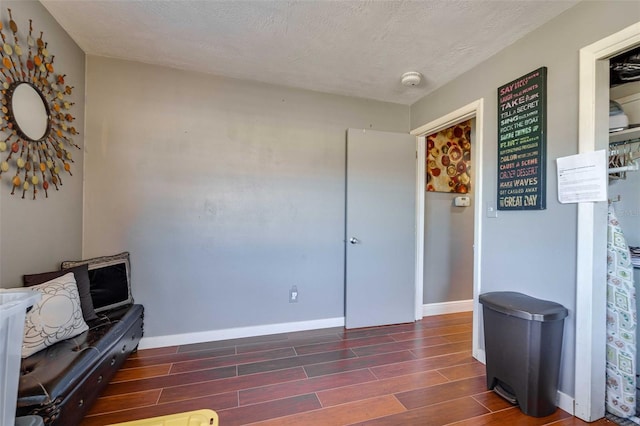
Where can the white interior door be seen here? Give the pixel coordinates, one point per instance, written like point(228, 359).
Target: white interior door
point(380, 228)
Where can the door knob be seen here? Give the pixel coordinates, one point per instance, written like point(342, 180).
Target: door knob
point(354, 240)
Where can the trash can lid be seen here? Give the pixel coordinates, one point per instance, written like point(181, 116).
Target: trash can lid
point(523, 306)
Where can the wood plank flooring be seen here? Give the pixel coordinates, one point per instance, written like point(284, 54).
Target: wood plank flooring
point(408, 374)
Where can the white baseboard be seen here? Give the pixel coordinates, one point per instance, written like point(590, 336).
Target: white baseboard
point(236, 333)
point(263, 330)
point(447, 307)
point(566, 403)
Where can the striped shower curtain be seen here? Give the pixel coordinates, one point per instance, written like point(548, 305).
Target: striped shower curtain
point(621, 324)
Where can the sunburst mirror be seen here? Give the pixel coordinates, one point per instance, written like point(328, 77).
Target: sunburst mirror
point(36, 139)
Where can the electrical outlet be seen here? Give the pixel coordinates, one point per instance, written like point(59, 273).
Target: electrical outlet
point(293, 294)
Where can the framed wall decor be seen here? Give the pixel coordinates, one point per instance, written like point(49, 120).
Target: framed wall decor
point(522, 142)
point(36, 129)
point(449, 159)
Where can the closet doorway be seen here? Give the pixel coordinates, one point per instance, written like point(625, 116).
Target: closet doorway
point(592, 226)
point(624, 211)
point(470, 111)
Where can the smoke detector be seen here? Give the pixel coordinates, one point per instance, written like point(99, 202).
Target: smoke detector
point(411, 78)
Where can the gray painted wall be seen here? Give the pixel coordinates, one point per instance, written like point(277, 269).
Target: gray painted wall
point(448, 245)
point(36, 235)
point(534, 252)
point(448, 256)
point(225, 192)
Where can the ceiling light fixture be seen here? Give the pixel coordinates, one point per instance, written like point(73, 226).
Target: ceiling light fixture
point(411, 78)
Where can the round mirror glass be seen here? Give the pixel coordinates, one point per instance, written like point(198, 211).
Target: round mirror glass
point(29, 111)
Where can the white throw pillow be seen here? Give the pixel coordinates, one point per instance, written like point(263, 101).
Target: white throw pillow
point(57, 316)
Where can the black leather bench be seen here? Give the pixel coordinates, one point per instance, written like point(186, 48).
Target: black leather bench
point(61, 382)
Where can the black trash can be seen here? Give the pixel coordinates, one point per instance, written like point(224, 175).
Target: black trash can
point(29, 421)
point(523, 344)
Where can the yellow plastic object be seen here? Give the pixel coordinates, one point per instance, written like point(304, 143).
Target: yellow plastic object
point(190, 418)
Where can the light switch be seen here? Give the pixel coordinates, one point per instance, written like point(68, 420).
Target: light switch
point(492, 211)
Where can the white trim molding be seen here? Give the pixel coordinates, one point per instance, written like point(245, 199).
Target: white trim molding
point(237, 333)
point(591, 241)
point(447, 307)
point(565, 403)
point(421, 170)
point(464, 113)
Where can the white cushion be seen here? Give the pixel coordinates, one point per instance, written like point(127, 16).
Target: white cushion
point(57, 316)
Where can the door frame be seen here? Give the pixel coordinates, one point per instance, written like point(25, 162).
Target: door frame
point(592, 227)
point(471, 110)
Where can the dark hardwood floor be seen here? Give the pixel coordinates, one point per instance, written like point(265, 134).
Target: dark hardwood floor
point(408, 374)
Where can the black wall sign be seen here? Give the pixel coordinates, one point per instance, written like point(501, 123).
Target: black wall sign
point(522, 145)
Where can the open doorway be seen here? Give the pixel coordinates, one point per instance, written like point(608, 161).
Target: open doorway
point(448, 250)
point(624, 209)
point(592, 226)
point(470, 111)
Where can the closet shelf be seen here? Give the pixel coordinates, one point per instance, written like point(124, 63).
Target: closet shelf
point(624, 135)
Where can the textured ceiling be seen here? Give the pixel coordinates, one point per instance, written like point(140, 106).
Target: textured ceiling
point(355, 48)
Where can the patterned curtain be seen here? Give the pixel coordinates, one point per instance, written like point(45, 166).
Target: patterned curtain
point(621, 324)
